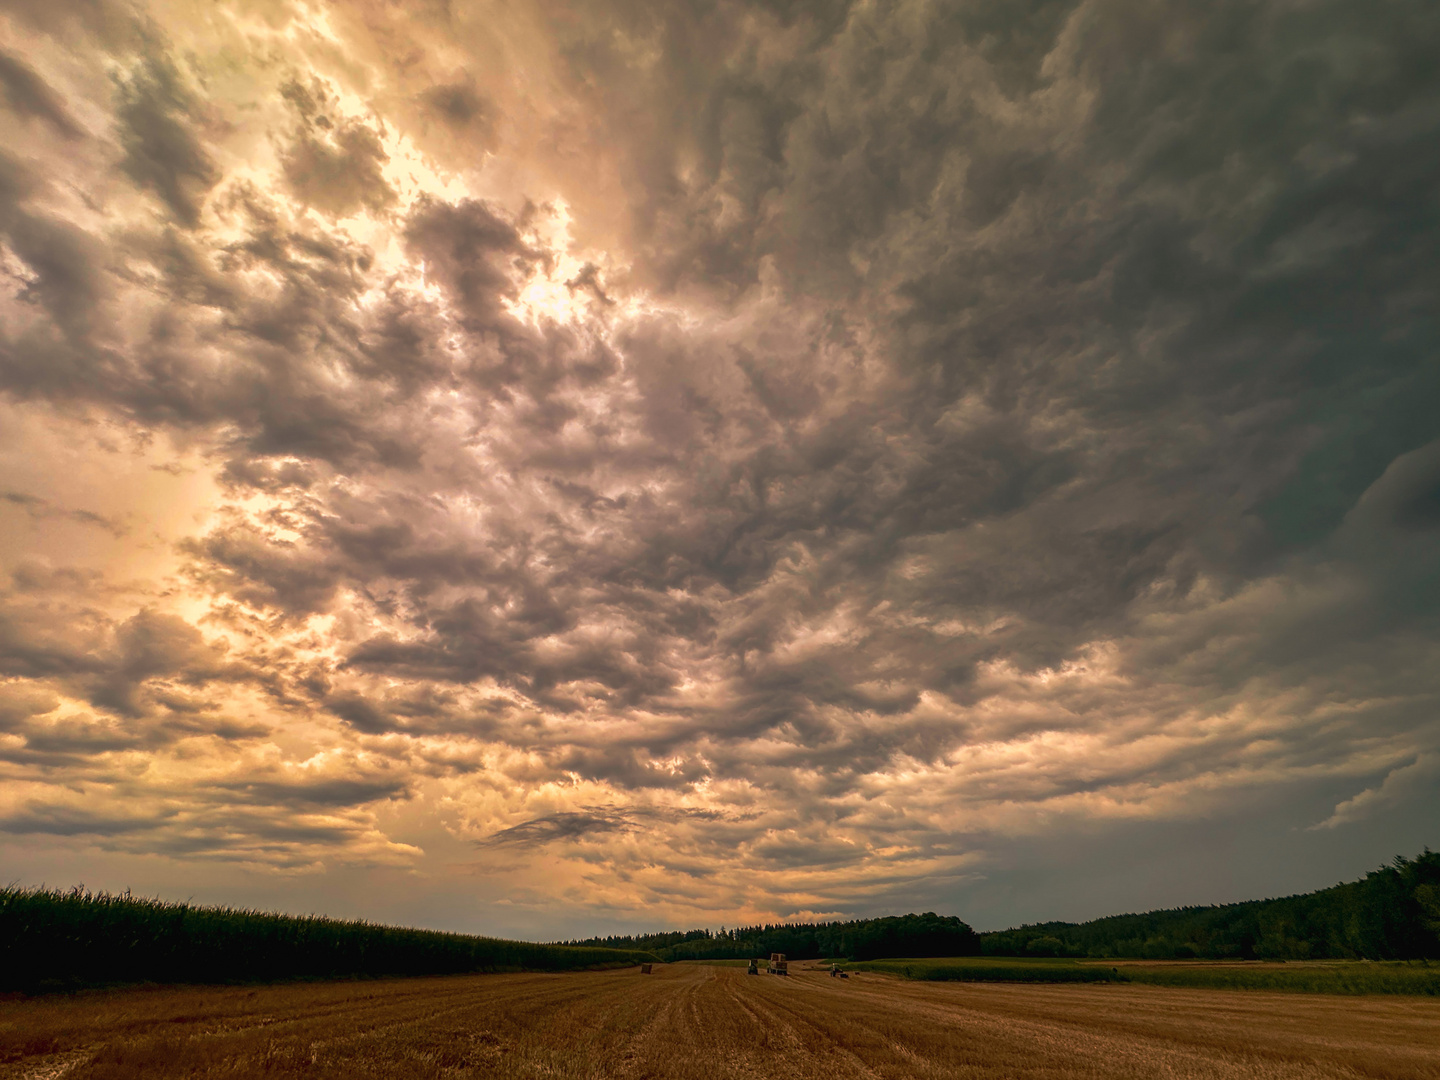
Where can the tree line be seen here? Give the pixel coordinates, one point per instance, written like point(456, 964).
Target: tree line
point(1392, 913)
point(859, 939)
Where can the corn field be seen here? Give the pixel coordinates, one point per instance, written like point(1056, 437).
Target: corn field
point(53, 940)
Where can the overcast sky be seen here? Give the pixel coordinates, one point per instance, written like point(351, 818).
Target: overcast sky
point(544, 469)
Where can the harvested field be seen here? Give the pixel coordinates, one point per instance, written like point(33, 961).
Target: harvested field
point(706, 1022)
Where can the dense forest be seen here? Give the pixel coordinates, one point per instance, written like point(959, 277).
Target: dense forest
point(1392, 913)
point(52, 940)
point(862, 939)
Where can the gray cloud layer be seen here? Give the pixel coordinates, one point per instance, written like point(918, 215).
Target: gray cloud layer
point(947, 427)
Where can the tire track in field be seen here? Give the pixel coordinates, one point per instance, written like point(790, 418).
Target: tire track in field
point(1053, 1044)
point(917, 1064)
point(734, 1036)
point(380, 1031)
point(1045, 1044)
point(540, 1000)
point(353, 1009)
point(639, 1051)
point(356, 1013)
point(833, 1049)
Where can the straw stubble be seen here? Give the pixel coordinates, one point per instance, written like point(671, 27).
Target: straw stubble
point(708, 1023)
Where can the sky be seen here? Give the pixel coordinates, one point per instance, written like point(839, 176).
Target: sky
point(550, 469)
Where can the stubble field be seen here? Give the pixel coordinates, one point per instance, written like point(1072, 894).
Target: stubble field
point(706, 1022)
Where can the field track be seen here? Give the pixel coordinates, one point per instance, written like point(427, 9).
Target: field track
point(707, 1023)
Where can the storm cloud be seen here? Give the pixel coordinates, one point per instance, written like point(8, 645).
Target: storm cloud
point(722, 461)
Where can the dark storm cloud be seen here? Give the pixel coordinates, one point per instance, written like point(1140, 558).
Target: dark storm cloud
point(232, 834)
point(362, 715)
point(1061, 301)
point(472, 249)
point(58, 821)
point(276, 389)
point(632, 768)
point(1023, 409)
point(65, 278)
point(162, 151)
point(591, 821)
point(571, 826)
point(28, 94)
point(346, 791)
point(980, 322)
point(1407, 496)
point(333, 163)
point(38, 507)
point(461, 105)
point(805, 851)
point(152, 646)
point(73, 743)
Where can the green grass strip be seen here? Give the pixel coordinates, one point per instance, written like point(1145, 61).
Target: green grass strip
point(1417, 977)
